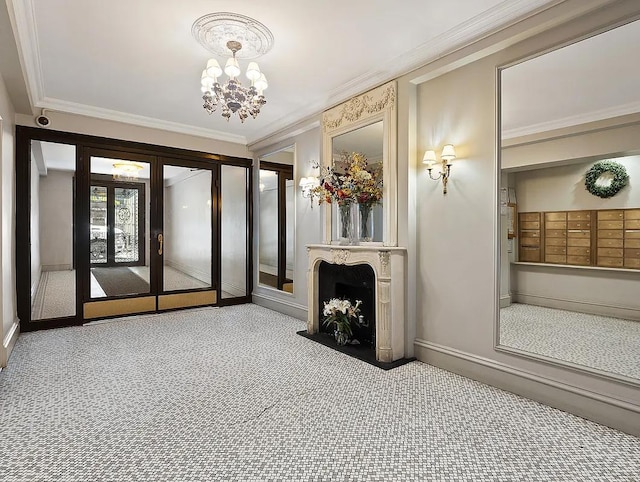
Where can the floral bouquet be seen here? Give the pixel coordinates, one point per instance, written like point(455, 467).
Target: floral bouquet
point(339, 313)
point(350, 180)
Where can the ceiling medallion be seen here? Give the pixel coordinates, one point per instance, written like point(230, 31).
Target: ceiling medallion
point(215, 30)
point(245, 38)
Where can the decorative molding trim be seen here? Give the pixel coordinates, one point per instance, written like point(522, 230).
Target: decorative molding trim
point(340, 256)
point(353, 110)
point(138, 120)
point(572, 121)
point(384, 262)
point(527, 375)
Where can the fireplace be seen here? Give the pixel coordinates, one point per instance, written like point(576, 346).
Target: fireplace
point(352, 283)
point(376, 273)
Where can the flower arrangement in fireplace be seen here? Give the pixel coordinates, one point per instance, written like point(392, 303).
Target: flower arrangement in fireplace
point(339, 314)
point(350, 180)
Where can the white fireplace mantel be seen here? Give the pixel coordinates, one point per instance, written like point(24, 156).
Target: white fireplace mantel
point(389, 267)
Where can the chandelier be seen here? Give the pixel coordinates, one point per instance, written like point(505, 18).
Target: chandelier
point(232, 96)
point(245, 38)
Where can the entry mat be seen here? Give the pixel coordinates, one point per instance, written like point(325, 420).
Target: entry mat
point(118, 281)
point(361, 352)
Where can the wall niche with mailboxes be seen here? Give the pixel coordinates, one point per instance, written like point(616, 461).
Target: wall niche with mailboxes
point(608, 238)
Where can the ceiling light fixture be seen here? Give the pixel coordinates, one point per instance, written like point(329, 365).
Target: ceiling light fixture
point(126, 170)
point(245, 38)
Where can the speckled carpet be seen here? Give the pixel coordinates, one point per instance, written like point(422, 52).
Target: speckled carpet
point(234, 394)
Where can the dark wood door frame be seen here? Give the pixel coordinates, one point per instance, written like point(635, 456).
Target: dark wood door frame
point(85, 144)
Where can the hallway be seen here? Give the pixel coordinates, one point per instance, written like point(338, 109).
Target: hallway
point(234, 394)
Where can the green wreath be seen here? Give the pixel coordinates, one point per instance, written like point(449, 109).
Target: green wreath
point(620, 178)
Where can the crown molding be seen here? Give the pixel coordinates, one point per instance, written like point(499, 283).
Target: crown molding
point(22, 15)
point(571, 121)
point(138, 120)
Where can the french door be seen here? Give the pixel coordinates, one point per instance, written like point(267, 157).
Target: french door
point(107, 228)
point(151, 223)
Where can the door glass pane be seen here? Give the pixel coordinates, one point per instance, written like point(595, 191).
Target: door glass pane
point(53, 276)
point(187, 228)
point(127, 227)
point(119, 227)
point(268, 226)
point(234, 231)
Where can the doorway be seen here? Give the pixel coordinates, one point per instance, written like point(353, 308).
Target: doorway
point(142, 229)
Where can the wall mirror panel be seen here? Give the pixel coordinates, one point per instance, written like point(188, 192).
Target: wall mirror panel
point(276, 242)
point(369, 141)
point(569, 259)
point(366, 124)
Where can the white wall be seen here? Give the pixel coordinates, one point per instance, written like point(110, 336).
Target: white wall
point(562, 188)
point(234, 230)
point(56, 220)
point(36, 265)
point(187, 228)
point(7, 220)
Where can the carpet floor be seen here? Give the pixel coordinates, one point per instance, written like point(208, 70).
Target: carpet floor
point(234, 394)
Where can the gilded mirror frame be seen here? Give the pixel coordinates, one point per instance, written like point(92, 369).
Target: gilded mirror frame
point(376, 105)
point(556, 362)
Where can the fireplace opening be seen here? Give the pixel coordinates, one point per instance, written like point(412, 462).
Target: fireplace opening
point(352, 283)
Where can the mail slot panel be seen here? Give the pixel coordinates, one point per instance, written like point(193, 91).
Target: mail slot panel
point(555, 258)
point(616, 215)
point(608, 252)
point(578, 242)
point(556, 233)
point(578, 251)
point(530, 254)
point(609, 233)
point(609, 262)
point(524, 225)
point(632, 214)
point(555, 225)
point(610, 243)
point(579, 260)
point(579, 225)
point(529, 217)
point(579, 215)
point(555, 216)
point(632, 263)
point(530, 242)
point(610, 224)
point(555, 250)
point(632, 243)
point(555, 242)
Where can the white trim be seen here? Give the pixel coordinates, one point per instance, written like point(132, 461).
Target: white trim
point(139, 120)
point(502, 367)
point(281, 305)
point(574, 120)
point(9, 342)
point(190, 270)
point(589, 307)
point(233, 289)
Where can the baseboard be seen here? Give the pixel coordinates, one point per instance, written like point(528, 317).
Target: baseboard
point(505, 300)
point(281, 306)
point(9, 342)
point(234, 290)
point(628, 313)
point(593, 406)
point(35, 283)
point(56, 267)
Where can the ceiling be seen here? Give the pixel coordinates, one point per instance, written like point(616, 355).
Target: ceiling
point(595, 79)
point(137, 62)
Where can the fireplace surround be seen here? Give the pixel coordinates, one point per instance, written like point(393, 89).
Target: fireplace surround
point(388, 265)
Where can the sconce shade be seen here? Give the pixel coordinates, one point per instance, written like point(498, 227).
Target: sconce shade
point(232, 68)
point(448, 153)
point(213, 68)
point(429, 158)
point(253, 72)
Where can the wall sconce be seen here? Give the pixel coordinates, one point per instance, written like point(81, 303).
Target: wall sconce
point(448, 155)
point(306, 185)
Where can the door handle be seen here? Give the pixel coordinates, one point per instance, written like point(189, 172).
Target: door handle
point(160, 240)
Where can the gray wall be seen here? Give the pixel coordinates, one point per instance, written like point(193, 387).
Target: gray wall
point(36, 265)
point(56, 220)
point(234, 230)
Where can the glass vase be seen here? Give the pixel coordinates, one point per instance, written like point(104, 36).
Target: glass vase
point(365, 222)
point(346, 225)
